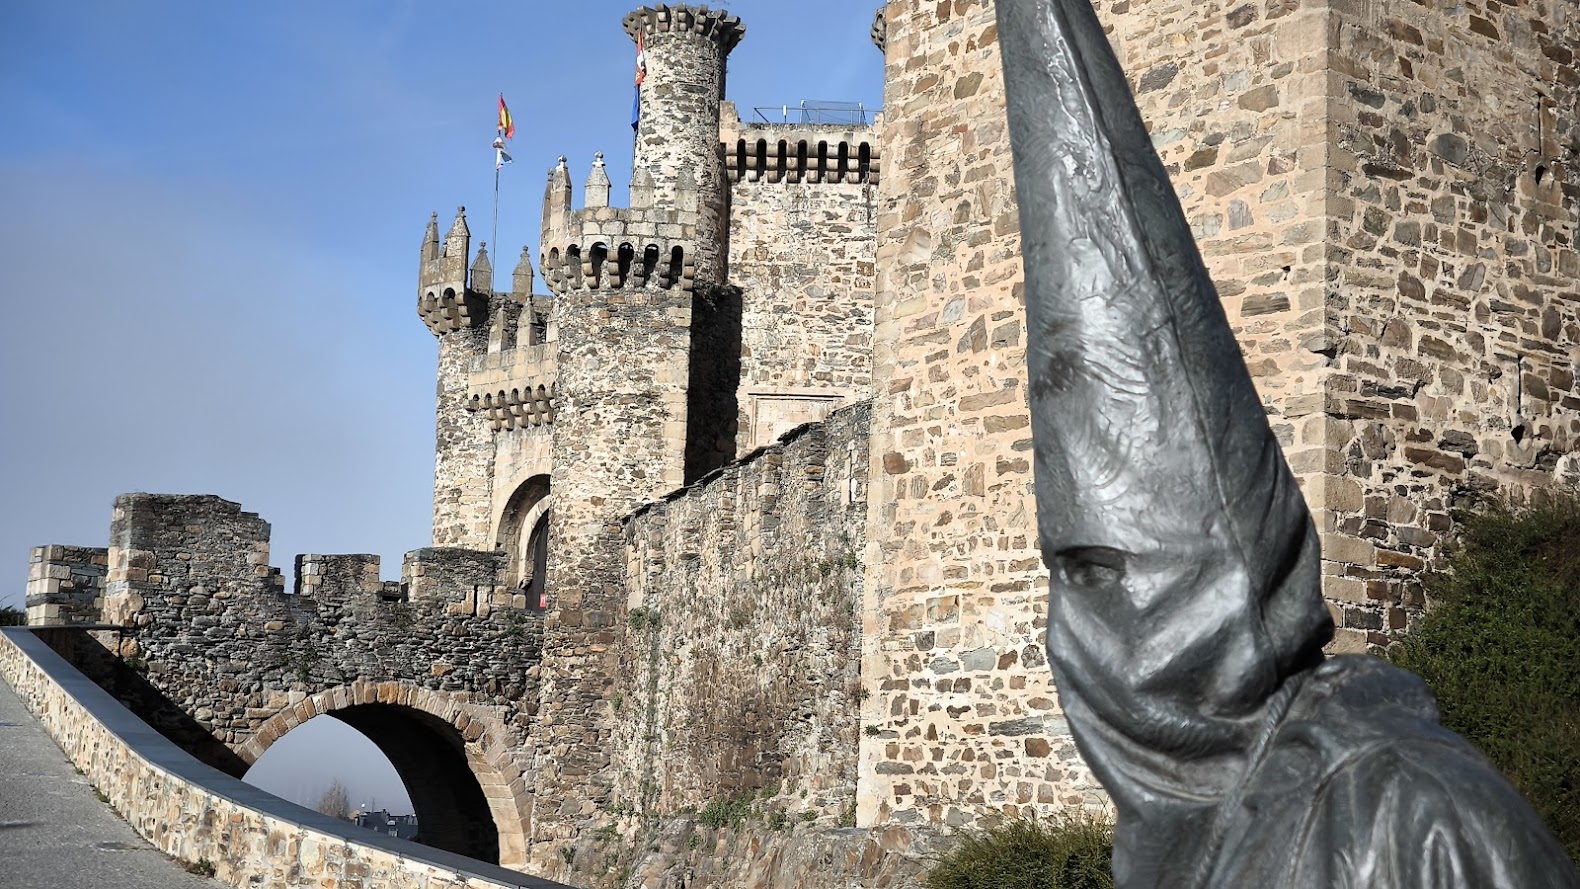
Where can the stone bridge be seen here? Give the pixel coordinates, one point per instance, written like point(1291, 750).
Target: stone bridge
point(438, 669)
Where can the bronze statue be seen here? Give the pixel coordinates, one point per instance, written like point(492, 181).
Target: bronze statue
point(1185, 618)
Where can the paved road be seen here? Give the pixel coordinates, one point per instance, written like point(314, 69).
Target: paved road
point(54, 832)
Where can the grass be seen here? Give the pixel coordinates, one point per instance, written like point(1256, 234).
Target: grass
point(1073, 850)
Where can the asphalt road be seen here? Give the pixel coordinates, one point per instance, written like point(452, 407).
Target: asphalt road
point(54, 832)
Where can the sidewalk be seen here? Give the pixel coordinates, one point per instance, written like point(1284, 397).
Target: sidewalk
point(54, 832)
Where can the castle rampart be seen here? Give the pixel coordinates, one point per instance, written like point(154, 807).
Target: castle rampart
point(1384, 193)
point(803, 236)
point(65, 584)
point(741, 666)
point(213, 651)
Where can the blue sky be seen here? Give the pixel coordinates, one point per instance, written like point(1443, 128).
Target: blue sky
point(209, 222)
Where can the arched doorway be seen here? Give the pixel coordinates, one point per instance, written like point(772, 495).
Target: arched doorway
point(449, 756)
point(524, 536)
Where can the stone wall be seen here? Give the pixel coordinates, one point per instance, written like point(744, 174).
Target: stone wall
point(1454, 135)
point(65, 584)
point(740, 673)
point(620, 440)
point(961, 699)
point(802, 249)
point(198, 815)
point(215, 650)
point(464, 448)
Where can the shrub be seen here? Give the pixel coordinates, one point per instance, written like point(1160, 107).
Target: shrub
point(731, 812)
point(1069, 851)
point(1500, 649)
point(12, 616)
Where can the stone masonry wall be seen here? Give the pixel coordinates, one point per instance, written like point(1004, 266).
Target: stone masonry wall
point(1455, 280)
point(961, 698)
point(1383, 193)
point(619, 441)
point(464, 448)
point(195, 814)
point(65, 584)
point(742, 651)
point(803, 254)
point(216, 646)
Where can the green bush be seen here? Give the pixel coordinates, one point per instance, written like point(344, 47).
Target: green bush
point(1069, 851)
point(1500, 648)
point(12, 616)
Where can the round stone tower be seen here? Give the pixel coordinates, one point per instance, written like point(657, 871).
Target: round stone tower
point(677, 124)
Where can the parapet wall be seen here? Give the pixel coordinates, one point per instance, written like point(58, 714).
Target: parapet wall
point(65, 584)
point(803, 248)
point(208, 622)
point(741, 664)
point(195, 813)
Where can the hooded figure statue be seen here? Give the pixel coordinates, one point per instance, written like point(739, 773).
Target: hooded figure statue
point(1185, 618)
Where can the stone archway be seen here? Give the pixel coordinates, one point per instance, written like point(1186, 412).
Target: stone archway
point(524, 536)
point(453, 757)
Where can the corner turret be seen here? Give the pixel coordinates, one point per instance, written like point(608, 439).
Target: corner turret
point(685, 49)
point(444, 301)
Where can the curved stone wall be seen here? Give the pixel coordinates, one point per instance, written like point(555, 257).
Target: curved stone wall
point(194, 813)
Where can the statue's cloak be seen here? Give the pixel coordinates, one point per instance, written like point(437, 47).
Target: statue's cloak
point(1185, 618)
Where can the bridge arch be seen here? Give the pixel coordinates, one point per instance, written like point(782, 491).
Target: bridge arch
point(453, 756)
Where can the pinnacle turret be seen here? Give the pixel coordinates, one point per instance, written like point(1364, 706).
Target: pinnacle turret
point(430, 239)
point(482, 271)
point(521, 279)
point(597, 189)
point(557, 200)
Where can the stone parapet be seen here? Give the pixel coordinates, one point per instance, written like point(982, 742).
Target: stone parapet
point(468, 580)
point(621, 266)
point(801, 153)
point(716, 25)
point(65, 585)
point(197, 814)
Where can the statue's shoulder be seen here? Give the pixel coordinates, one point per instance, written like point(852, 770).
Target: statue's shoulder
point(1384, 783)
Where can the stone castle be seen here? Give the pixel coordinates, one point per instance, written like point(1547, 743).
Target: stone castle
point(742, 507)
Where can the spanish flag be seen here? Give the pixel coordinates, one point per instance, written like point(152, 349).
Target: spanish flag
point(507, 127)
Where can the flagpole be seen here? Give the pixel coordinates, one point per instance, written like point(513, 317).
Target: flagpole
point(493, 234)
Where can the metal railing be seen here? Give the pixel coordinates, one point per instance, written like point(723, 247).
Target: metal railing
point(814, 112)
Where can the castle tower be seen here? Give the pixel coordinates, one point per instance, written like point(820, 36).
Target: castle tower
point(458, 316)
point(626, 282)
point(677, 127)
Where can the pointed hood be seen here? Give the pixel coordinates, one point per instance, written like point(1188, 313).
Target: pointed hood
point(1184, 587)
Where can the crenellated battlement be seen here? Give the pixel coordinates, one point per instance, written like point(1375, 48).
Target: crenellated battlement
point(518, 408)
point(797, 153)
point(448, 310)
point(446, 300)
point(625, 266)
point(516, 389)
point(717, 25)
point(576, 241)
